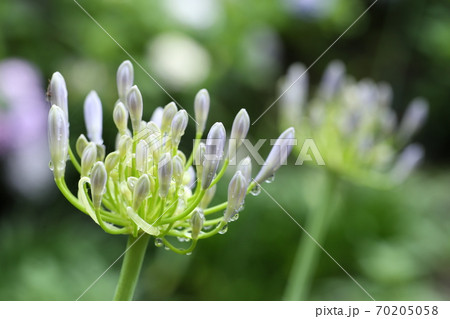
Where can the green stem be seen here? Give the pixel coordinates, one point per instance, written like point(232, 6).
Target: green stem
point(131, 267)
point(306, 258)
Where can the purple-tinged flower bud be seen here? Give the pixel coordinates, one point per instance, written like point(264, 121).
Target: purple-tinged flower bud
point(165, 170)
point(414, 118)
point(197, 220)
point(407, 161)
point(58, 140)
point(199, 158)
point(135, 107)
point(120, 117)
point(157, 116)
point(141, 191)
point(189, 177)
point(201, 108)
point(88, 158)
point(98, 183)
point(178, 170)
point(141, 156)
point(179, 124)
point(81, 144)
point(237, 189)
point(210, 165)
point(245, 167)
point(277, 156)
point(239, 131)
point(168, 113)
point(125, 77)
point(93, 117)
point(215, 141)
point(58, 93)
point(294, 90)
point(332, 80)
point(208, 197)
point(111, 161)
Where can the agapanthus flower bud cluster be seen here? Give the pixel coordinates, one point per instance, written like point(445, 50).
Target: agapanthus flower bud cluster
point(353, 125)
point(147, 184)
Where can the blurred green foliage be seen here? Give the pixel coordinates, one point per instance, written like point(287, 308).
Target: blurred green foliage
point(395, 243)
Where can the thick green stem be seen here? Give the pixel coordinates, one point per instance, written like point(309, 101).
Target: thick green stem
point(131, 267)
point(306, 258)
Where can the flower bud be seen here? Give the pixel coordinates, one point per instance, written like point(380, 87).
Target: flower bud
point(111, 161)
point(131, 182)
point(189, 177)
point(414, 118)
point(154, 144)
point(168, 113)
point(215, 141)
point(141, 156)
point(239, 131)
point(237, 189)
point(179, 124)
point(407, 161)
point(98, 183)
point(124, 145)
point(294, 92)
point(141, 191)
point(245, 167)
point(201, 108)
point(210, 165)
point(277, 156)
point(178, 170)
point(58, 93)
point(120, 117)
point(199, 158)
point(157, 116)
point(197, 221)
point(135, 107)
point(81, 144)
point(164, 174)
point(208, 197)
point(93, 117)
point(125, 77)
point(332, 80)
point(58, 140)
point(88, 158)
point(153, 127)
point(101, 151)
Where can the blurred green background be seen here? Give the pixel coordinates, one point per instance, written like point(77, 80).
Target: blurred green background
point(395, 243)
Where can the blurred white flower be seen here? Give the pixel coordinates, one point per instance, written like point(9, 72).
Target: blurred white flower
point(311, 9)
point(198, 14)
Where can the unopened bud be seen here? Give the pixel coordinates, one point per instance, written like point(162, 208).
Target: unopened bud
point(277, 156)
point(111, 161)
point(168, 113)
point(245, 167)
point(407, 161)
point(414, 118)
point(189, 177)
point(157, 116)
point(135, 107)
point(239, 131)
point(124, 145)
point(98, 183)
point(197, 221)
point(120, 117)
point(58, 93)
point(88, 158)
point(58, 140)
point(141, 191)
point(199, 158)
point(210, 165)
point(201, 108)
point(215, 141)
point(178, 170)
point(237, 189)
point(93, 117)
point(81, 144)
point(141, 156)
point(179, 124)
point(208, 197)
point(332, 79)
point(125, 77)
point(165, 170)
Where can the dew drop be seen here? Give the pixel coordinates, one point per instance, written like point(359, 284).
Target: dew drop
point(189, 253)
point(166, 248)
point(223, 230)
point(234, 218)
point(270, 179)
point(159, 242)
point(256, 190)
point(207, 227)
point(50, 165)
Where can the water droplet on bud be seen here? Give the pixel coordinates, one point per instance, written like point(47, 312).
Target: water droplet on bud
point(223, 230)
point(50, 165)
point(256, 190)
point(235, 217)
point(270, 179)
point(159, 242)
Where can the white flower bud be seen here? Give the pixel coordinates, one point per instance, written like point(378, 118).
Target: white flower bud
point(101, 151)
point(277, 156)
point(199, 158)
point(58, 93)
point(81, 144)
point(237, 189)
point(120, 117)
point(58, 140)
point(154, 144)
point(208, 197)
point(332, 80)
point(124, 145)
point(141, 191)
point(179, 124)
point(201, 108)
point(215, 141)
point(111, 161)
point(407, 161)
point(294, 90)
point(153, 127)
point(88, 158)
point(98, 183)
point(189, 177)
point(165, 170)
point(157, 116)
point(93, 117)
point(210, 165)
point(168, 113)
point(197, 220)
point(125, 78)
point(135, 107)
point(239, 131)
point(141, 156)
point(413, 119)
point(245, 167)
point(178, 170)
